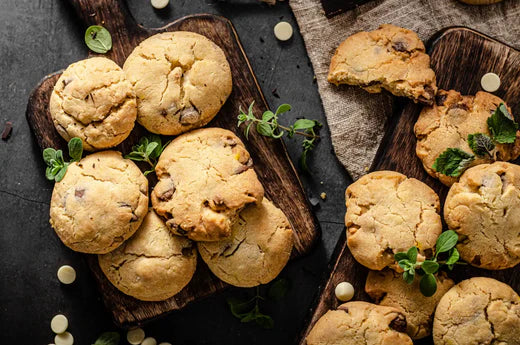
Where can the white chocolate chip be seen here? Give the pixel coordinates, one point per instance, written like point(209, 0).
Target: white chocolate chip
point(344, 291)
point(66, 274)
point(490, 82)
point(64, 339)
point(149, 341)
point(135, 336)
point(283, 31)
point(59, 324)
point(159, 4)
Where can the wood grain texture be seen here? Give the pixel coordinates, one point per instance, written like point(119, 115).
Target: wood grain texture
point(460, 57)
point(272, 164)
point(334, 7)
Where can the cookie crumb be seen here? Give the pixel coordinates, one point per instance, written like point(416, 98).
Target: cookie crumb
point(323, 195)
point(367, 168)
point(7, 130)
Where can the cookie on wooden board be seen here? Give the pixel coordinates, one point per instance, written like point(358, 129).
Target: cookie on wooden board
point(391, 58)
point(153, 265)
point(484, 209)
point(388, 288)
point(256, 252)
point(355, 323)
point(388, 213)
point(99, 203)
point(93, 100)
point(478, 311)
point(447, 124)
point(205, 179)
point(181, 79)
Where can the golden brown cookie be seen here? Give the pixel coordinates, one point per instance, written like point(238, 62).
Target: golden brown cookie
point(448, 123)
point(356, 323)
point(99, 203)
point(258, 249)
point(92, 100)
point(478, 311)
point(153, 265)
point(390, 58)
point(205, 180)
point(484, 209)
point(181, 79)
point(388, 288)
point(388, 213)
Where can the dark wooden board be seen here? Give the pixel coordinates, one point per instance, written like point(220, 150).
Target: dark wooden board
point(272, 163)
point(335, 7)
point(460, 57)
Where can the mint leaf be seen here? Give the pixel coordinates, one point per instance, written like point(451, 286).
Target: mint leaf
point(428, 285)
point(98, 39)
point(108, 338)
point(283, 108)
point(49, 154)
point(264, 129)
point(481, 144)
point(412, 254)
point(75, 149)
point(429, 266)
point(268, 115)
point(304, 124)
point(453, 162)
point(408, 277)
point(502, 125)
point(446, 241)
point(59, 176)
point(454, 256)
point(400, 256)
point(279, 289)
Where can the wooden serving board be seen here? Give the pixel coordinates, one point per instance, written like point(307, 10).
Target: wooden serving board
point(272, 164)
point(459, 56)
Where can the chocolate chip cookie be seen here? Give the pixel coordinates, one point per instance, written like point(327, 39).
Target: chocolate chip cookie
point(100, 203)
point(181, 79)
point(389, 213)
point(478, 311)
point(153, 265)
point(92, 100)
point(258, 249)
point(447, 124)
point(355, 323)
point(484, 209)
point(390, 58)
point(388, 288)
point(205, 180)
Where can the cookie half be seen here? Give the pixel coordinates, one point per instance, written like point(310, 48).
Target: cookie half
point(205, 179)
point(390, 58)
point(153, 265)
point(355, 323)
point(181, 79)
point(388, 288)
point(478, 311)
point(92, 100)
point(258, 249)
point(484, 209)
point(99, 203)
point(388, 213)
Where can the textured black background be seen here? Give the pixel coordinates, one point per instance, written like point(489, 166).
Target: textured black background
point(41, 36)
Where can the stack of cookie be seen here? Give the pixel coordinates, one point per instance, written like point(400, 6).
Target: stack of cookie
point(388, 213)
point(172, 84)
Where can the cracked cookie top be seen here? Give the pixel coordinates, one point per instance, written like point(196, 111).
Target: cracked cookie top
point(390, 58)
point(388, 288)
point(448, 123)
point(258, 249)
point(205, 179)
point(153, 265)
point(99, 203)
point(484, 209)
point(93, 100)
point(478, 311)
point(388, 213)
point(181, 79)
point(360, 323)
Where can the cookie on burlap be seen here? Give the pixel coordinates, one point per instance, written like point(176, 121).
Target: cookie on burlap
point(99, 203)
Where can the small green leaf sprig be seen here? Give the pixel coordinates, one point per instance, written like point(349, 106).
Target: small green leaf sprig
point(502, 127)
point(249, 310)
point(56, 165)
point(269, 126)
point(147, 150)
point(108, 338)
point(98, 39)
point(408, 262)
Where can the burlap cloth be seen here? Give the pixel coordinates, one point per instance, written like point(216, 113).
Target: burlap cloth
point(356, 118)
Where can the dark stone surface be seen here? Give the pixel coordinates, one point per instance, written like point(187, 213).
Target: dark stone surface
point(42, 36)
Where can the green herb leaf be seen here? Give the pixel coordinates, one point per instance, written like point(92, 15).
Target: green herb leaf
point(481, 144)
point(412, 254)
point(75, 149)
point(268, 115)
point(108, 338)
point(430, 266)
point(304, 124)
point(148, 150)
point(400, 256)
point(239, 308)
point(279, 289)
point(98, 39)
point(49, 154)
point(502, 125)
point(408, 277)
point(283, 108)
point(59, 176)
point(264, 129)
point(446, 241)
point(264, 321)
point(428, 285)
point(405, 264)
point(453, 162)
point(453, 257)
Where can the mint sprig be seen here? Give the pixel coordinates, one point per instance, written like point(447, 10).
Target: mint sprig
point(108, 338)
point(502, 125)
point(482, 145)
point(56, 165)
point(147, 150)
point(453, 162)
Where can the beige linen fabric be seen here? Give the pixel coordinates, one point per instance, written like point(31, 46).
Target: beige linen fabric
point(356, 118)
